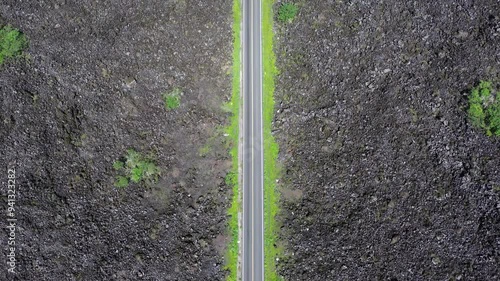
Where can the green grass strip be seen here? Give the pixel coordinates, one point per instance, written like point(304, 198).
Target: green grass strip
point(233, 131)
point(271, 170)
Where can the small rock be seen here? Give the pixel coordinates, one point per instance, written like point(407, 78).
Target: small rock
point(395, 239)
point(462, 34)
point(436, 260)
point(130, 82)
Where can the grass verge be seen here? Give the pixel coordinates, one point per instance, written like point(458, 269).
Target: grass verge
point(271, 170)
point(233, 132)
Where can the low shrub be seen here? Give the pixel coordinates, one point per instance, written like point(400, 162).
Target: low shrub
point(484, 108)
point(287, 12)
point(136, 168)
point(172, 99)
point(12, 43)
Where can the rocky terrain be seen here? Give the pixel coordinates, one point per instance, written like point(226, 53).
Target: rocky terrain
point(383, 177)
point(89, 90)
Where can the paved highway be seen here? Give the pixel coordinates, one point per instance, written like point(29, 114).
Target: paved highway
point(253, 173)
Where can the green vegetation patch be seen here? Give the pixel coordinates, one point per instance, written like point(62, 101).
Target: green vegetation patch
point(172, 99)
point(136, 168)
point(271, 169)
point(287, 12)
point(232, 130)
point(484, 108)
point(12, 43)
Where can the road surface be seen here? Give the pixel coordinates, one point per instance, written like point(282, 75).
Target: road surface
point(253, 173)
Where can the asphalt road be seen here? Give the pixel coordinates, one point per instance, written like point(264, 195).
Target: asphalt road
point(253, 173)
